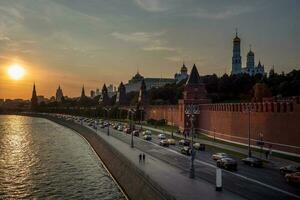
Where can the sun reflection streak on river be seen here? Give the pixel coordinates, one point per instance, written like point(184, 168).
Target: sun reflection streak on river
point(40, 159)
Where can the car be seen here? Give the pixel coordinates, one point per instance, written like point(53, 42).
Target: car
point(136, 133)
point(164, 143)
point(218, 156)
point(116, 126)
point(171, 141)
point(161, 136)
point(292, 177)
point(102, 126)
point(127, 130)
point(147, 132)
point(186, 150)
point(120, 128)
point(289, 169)
point(184, 142)
point(227, 163)
point(253, 162)
point(198, 146)
point(147, 137)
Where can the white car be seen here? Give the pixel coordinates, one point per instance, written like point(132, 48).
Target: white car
point(162, 136)
point(147, 132)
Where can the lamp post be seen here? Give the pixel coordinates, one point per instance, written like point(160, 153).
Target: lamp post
point(172, 123)
point(141, 117)
point(191, 111)
point(107, 109)
point(131, 112)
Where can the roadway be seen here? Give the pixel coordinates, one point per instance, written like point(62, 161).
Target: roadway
point(248, 182)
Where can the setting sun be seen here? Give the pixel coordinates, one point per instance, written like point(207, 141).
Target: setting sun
point(16, 72)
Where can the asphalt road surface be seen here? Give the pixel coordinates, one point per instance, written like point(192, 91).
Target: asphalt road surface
point(248, 182)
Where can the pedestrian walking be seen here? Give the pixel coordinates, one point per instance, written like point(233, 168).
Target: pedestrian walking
point(144, 156)
point(267, 154)
point(140, 157)
point(270, 151)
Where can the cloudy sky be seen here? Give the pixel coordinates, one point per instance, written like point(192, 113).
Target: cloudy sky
point(91, 42)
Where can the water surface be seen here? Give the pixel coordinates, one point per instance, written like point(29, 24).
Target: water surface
point(40, 159)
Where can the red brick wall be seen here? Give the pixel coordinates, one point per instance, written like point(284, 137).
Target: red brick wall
point(278, 122)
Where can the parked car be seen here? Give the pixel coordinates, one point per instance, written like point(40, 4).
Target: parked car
point(227, 163)
point(161, 136)
point(164, 143)
point(186, 150)
point(147, 137)
point(253, 162)
point(102, 126)
point(289, 169)
point(218, 156)
point(198, 146)
point(171, 141)
point(147, 132)
point(184, 142)
point(293, 177)
point(136, 133)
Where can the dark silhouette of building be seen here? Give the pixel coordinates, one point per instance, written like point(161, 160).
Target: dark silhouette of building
point(34, 99)
point(82, 93)
point(143, 94)
point(104, 99)
point(121, 98)
point(59, 97)
point(195, 88)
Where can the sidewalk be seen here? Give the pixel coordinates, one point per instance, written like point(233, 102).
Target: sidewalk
point(275, 162)
point(172, 179)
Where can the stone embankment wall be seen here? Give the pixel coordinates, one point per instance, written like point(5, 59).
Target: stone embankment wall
point(136, 184)
point(277, 123)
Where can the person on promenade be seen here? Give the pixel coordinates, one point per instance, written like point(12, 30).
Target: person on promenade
point(140, 157)
point(144, 156)
point(267, 154)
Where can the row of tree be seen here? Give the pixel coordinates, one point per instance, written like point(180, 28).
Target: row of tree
point(227, 88)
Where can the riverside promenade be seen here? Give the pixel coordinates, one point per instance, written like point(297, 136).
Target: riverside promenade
point(168, 181)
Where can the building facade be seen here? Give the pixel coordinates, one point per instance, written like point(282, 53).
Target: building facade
point(236, 66)
point(59, 94)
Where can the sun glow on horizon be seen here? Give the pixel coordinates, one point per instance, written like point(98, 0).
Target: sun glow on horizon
point(16, 71)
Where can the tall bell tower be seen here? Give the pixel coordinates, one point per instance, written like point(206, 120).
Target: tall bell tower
point(236, 57)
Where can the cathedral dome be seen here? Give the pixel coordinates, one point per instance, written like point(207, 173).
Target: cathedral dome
point(138, 76)
point(237, 39)
point(183, 68)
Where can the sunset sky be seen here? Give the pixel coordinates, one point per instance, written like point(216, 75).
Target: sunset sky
point(91, 42)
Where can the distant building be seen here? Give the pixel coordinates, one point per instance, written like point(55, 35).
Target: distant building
point(59, 94)
point(111, 90)
point(183, 75)
point(34, 99)
point(121, 98)
point(93, 93)
point(97, 93)
point(41, 99)
point(250, 68)
point(134, 84)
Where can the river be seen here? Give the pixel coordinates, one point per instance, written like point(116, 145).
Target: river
point(43, 160)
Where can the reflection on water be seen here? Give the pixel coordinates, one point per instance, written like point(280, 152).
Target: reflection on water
point(40, 159)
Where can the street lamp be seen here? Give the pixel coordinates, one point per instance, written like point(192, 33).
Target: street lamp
point(171, 109)
point(141, 117)
point(191, 111)
point(107, 109)
point(132, 112)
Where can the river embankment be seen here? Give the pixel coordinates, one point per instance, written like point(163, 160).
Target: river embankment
point(133, 181)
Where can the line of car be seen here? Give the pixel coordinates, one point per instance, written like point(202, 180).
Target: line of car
point(291, 173)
